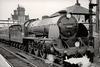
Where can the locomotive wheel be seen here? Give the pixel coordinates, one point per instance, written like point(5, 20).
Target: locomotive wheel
point(36, 51)
point(21, 47)
point(30, 49)
point(16, 45)
point(42, 54)
point(25, 48)
point(13, 44)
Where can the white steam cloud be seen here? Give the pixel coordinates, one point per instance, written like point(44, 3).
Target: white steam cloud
point(84, 61)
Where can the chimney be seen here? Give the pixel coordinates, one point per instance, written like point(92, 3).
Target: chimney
point(77, 3)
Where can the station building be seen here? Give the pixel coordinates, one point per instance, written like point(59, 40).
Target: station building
point(17, 18)
point(19, 14)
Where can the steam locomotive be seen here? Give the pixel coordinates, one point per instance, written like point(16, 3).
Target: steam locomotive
point(59, 36)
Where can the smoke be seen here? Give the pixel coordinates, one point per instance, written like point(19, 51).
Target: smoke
point(71, 62)
point(83, 61)
point(50, 58)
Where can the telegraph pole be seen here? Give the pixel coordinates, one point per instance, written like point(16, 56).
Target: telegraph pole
point(97, 16)
point(91, 39)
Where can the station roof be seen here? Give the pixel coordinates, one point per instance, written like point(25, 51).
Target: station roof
point(75, 9)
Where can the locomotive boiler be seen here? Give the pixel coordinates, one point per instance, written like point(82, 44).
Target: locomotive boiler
point(53, 27)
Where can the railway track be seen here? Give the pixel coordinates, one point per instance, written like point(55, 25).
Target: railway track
point(21, 58)
point(14, 59)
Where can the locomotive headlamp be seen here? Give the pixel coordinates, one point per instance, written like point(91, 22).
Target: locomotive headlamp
point(77, 44)
point(68, 15)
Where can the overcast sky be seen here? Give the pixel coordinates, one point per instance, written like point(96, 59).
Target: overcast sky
point(36, 8)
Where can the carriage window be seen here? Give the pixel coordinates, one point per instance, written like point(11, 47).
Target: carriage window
point(16, 28)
